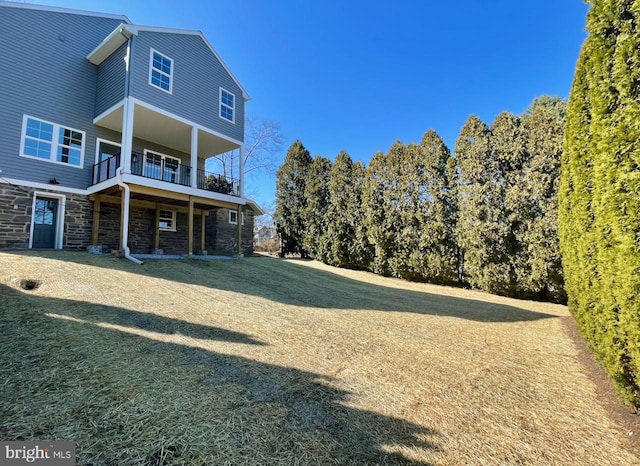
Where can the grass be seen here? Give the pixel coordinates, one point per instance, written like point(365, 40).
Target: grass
point(270, 361)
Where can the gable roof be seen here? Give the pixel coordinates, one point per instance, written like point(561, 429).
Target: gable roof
point(31, 6)
point(124, 31)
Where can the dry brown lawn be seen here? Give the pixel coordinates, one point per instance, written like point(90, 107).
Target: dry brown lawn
point(270, 361)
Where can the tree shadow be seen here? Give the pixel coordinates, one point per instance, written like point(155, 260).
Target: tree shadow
point(57, 371)
point(291, 282)
point(95, 313)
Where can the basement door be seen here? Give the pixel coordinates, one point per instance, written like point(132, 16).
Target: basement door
point(44, 223)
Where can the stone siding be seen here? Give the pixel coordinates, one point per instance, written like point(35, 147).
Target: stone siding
point(223, 236)
point(109, 230)
point(142, 231)
point(16, 205)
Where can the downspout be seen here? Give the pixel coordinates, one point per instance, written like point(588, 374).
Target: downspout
point(127, 192)
point(125, 220)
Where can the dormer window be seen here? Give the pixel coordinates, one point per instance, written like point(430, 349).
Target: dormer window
point(161, 71)
point(227, 105)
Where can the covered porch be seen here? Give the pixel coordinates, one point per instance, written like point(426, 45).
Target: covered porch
point(166, 149)
point(153, 221)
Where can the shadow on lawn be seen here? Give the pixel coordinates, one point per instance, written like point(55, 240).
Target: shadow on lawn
point(291, 282)
point(298, 411)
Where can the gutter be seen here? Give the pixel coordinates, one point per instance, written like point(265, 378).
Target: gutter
point(125, 221)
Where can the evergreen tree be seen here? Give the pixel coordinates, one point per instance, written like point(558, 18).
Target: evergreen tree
point(509, 156)
point(378, 207)
point(599, 210)
point(406, 195)
point(536, 200)
point(341, 227)
point(316, 193)
point(481, 229)
point(363, 250)
point(435, 258)
point(290, 198)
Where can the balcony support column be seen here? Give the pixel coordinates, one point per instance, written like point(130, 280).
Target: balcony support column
point(194, 157)
point(127, 135)
point(96, 220)
point(203, 218)
point(156, 239)
point(239, 224)
point(190, 252)
point(241, 172)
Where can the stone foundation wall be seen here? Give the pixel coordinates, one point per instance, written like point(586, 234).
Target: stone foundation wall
point(109, 231)
point(176, 242)
point(226, 234)
point(142, 231)
point(77, 222)
point(16, 205)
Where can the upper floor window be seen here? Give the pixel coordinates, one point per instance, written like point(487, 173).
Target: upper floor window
point(161, 71)
point(52, 142)
point(227, 105)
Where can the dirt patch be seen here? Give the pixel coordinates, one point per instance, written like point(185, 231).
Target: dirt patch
point(29, 284)
point(624, 416)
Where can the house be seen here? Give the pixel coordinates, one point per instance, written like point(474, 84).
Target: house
point(108, 134)
point(264, 233)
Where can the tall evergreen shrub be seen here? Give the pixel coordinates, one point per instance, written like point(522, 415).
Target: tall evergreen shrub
point(599, 199)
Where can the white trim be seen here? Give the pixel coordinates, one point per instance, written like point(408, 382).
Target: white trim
point(131, 179)
point(163, 112)
point(55, 142)
point(108, 111)
point(151, 68)
point(235, 212)
point(194, 157)
point(71, 11)
point(110, 44)
point(59, 216)
point(183, 120)
point(100, 140)
point(31, 184)
point(178, 188)
point(257, 210)
point(233, 108)
point(173, 220)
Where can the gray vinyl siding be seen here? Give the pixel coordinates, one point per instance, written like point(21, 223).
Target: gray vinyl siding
point(111, 80)
point(45, 74)
point(197, 78)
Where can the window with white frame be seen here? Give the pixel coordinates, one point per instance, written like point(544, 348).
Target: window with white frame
point(227, 105)
point(161, 71)
point(233, 217)
point(52, 142)
point(167, 221)
point(161, 167)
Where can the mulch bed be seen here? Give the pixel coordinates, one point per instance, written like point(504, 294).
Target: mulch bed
point(624, 416)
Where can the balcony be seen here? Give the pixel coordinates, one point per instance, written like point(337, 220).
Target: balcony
point(167, 170)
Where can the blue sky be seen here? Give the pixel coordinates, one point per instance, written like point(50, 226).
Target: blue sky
point(358, 75)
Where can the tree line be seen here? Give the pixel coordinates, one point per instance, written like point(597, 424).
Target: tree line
point(485, 215)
